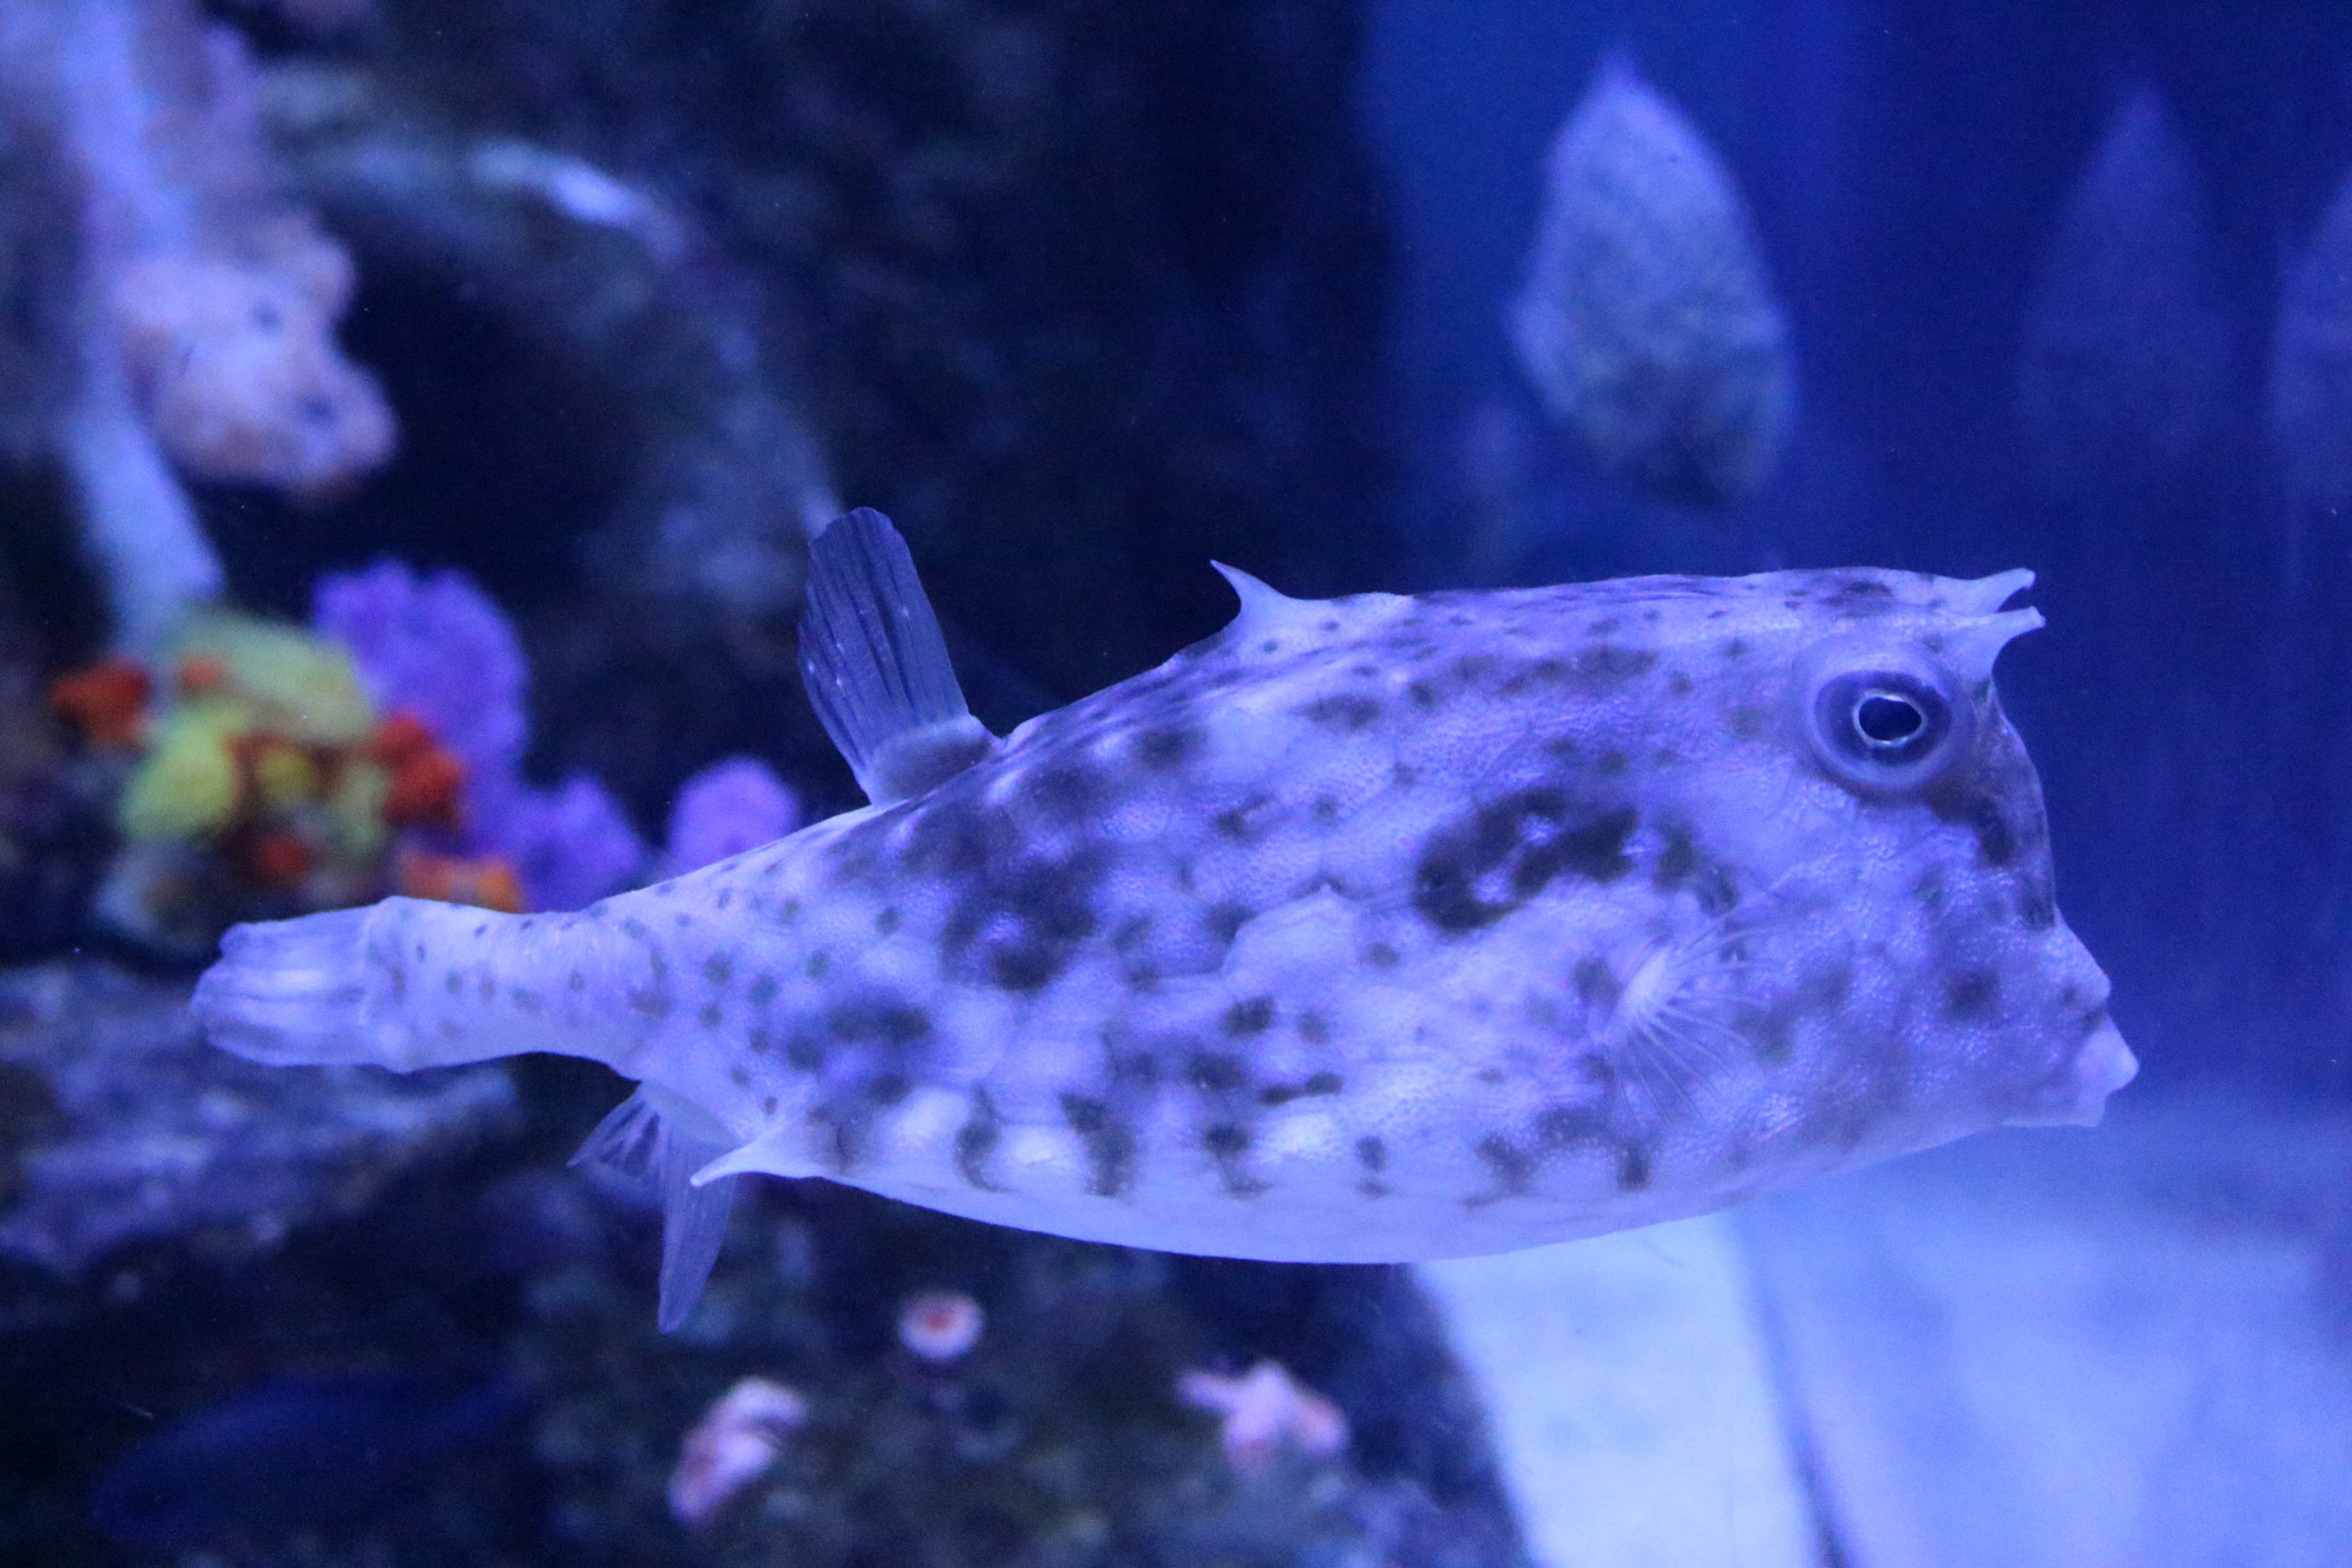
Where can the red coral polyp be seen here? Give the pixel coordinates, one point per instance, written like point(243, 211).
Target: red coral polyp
point(106, 702)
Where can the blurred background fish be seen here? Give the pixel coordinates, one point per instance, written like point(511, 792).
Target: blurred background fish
point(306, 1450)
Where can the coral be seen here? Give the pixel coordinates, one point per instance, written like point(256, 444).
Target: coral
point(2120, 372)
point(445, 663)
point(941, 1325)
point(734, 805)
point(433, 645)
point(1648, 321)
point(1265, 1413)
point(2311, 368)
point(188, 310)
point(234, 363)
point(570, 845)
point(734, 1444)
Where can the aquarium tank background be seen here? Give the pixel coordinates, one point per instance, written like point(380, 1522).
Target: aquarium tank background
point(430, 443)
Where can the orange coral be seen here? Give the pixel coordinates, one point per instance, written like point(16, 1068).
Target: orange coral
point(489, 882)
point(108, 702)
point(401, 736)
point(425, 791)
point(279, 859)
point(203, 676)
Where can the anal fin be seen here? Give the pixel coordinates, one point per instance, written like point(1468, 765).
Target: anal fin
point(656, 1136)
point(876, 666)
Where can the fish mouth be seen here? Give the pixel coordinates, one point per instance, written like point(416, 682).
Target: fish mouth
point(2103, 1065)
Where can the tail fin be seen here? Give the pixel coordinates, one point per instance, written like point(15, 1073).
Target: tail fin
point(293, 992)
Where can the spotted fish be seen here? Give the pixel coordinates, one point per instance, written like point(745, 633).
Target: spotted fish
point(1379, 928)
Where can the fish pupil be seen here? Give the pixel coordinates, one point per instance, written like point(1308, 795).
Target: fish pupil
point(1887, 718)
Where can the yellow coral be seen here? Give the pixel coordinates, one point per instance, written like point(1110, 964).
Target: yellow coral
point(355, 810)
point(297, 686)
point(188, 784)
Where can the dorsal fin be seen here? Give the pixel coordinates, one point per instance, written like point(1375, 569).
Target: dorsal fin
point(876, 668)
point(1261, 606)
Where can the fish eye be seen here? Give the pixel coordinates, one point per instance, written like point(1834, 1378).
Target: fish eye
point(1883, 723)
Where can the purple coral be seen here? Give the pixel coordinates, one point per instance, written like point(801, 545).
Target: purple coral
point(734, 805)
point(570, 845)
point(434, 644)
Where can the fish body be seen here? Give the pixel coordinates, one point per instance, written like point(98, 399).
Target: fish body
point(1369, 929)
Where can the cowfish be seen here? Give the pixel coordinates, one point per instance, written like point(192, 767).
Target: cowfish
point(1367, 930)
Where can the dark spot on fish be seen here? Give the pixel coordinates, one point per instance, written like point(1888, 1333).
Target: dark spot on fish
point(1827, 988)
point(887, 919)
point(1326, 810)
point(1271, 644)
point(575, 982)
point(1169, 746)
point(1613, 662)
point(1746, 722)
point(821, 964)
point(1348, 710)
point(527, 1001)
point(887, 1023)
point(1510, 1164)
point(1322, 1083)
point(1063, 791)
point(725, 897)
point(1381, 955)
point(739, 1075)
point(788, 911)
point(804, 1052)
point(1861, 596)
point(1226, 1139)
point(652, 1001)
point(1679, 683)
point(711, 1016)
point(1611, 764)
point(888, 1088)
point(1234, 822)
point(1973, 993)
point(1565, 1126)
point(1225, 920)
point(1981, 812)
point(718, 969)
point(453, 982)
point(1216, 1072)
point(1371, 1153)
point(1604, 627)
point(1421, 694)
point(2036, 908)
point(1313, 1029)
point(1472, 873)
point(1733, 647)
point(763, 991)
point(1633, 1167)
point(1110, 1145)
point(1596, 983)
point(976, 1139)
point(1254, 1016)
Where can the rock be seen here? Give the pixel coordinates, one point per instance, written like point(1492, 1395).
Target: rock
point(121, 1130)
